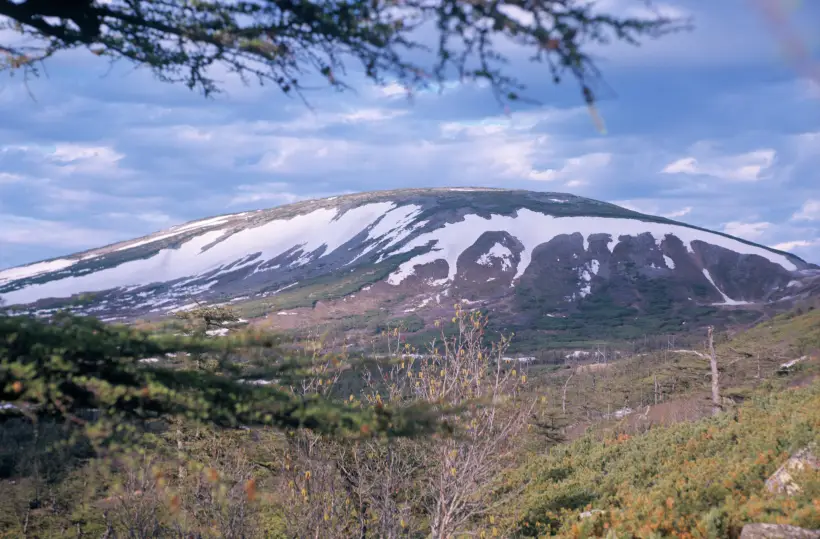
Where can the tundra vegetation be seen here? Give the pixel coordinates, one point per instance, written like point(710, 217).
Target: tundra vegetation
point(114, 431)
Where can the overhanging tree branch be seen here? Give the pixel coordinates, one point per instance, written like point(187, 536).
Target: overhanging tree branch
point(285, 41)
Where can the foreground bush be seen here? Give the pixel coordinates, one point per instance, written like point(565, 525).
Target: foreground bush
point(433, 486)
point(703, 479)
point(95, 441)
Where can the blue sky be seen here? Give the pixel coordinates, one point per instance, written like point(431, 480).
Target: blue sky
point(713, 127)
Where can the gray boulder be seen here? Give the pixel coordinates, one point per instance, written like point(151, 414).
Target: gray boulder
point(782, 482)
point(777, 531)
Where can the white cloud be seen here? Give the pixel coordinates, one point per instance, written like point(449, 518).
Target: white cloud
point(508, 159)
point(96, 160)
point(796, 244)
point(69, 153)
point(15, 229)
point(54, 198)
point(488, 126)
point(711, 42)
point(654, 207)
point(509, 147)
point(392, 89)
point(658, 9)
point(260, 151)
point(810, 211)
point(153, 218)
point(6, 177)
point(744, 167)
point(314, 121)
point(516, 122)
point(69, 158)
point(749, 231)
point(642, 8)
point(272, 192)
point(630, 205)
point(366, 115)
point(678, 213)
point(305, 155)
point(687, 165)
point(808, 88)
point(576, 170)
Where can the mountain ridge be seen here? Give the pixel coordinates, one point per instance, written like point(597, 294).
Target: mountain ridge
point(388, 193)
point(525, 254)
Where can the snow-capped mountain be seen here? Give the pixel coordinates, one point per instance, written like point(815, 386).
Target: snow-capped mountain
point(527, 254)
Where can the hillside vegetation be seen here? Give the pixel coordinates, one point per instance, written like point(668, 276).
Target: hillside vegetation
point(700, 479)
point(324, 445)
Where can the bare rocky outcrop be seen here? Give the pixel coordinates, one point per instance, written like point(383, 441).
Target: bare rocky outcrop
point(782, 482)
point(777, 531)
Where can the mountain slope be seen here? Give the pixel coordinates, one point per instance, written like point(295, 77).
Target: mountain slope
point(531, 255)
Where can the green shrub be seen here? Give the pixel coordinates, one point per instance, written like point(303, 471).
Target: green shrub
point(703, 479)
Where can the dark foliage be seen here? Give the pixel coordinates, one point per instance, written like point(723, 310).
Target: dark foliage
point(282, 41)
point(80, 370)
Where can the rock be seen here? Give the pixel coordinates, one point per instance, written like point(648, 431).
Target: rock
point(777, 531)
point(587, 514)
point(782, 481)
point(786, 367)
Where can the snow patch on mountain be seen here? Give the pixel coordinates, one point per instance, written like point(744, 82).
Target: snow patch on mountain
point(726, 299)
point(594, 266)
point(497, 251)
point(33, 270)
point(533, 228)
point(394, 226)
point(252, 253)
point(176, 231)
point(585, 278)
point(322, 229)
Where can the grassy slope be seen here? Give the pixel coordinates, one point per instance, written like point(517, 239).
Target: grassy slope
point(690, 479)
point(788, 334)
point(701, 479)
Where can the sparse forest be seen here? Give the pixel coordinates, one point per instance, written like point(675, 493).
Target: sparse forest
point(205, 425)
point(171, 432)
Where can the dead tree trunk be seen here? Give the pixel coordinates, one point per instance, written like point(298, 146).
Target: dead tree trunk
point(758, 365)
point(180, 453)
point(716, 402)
point(564, 394)
point(657, 389)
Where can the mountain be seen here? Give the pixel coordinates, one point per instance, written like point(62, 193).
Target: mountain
point(541, 262)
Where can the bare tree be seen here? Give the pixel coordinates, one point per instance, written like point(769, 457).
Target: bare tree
point(717, 404)
point(394, 487)
point(657, 387)
point(138, 506)
point(317, 502)
point(462, 371)
point(218, 497)
point(564, 392)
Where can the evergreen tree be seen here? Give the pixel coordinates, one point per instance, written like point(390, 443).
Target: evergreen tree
point(283, 42)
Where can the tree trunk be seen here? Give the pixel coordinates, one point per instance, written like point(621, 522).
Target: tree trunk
point(657, 392)
point(758, 365)
point(180, 453)
point(716, 402)
point(564, 395)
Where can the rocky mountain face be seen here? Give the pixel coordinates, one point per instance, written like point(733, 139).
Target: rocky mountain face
point(540, 262)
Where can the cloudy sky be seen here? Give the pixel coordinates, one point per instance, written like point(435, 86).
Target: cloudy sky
point(714, 127)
